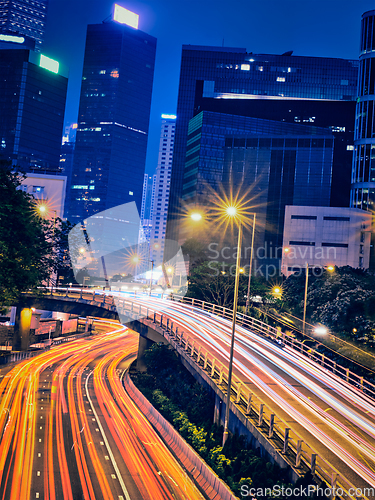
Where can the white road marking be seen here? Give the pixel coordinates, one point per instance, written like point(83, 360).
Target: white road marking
point(121, 481)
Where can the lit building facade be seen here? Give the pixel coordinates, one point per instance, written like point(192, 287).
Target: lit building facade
point(113, 120)
point(363, 175)
point(162, 186)
point(32, 106)
point(24, 17)
point(222, 73)
point(325, 236)
point(49, 190)
point(147, 208)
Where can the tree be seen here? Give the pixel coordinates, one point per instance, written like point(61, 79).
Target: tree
point(214, 282)
point(195, 250)
point(62, 264)
point(26, 249)
point(343, 300)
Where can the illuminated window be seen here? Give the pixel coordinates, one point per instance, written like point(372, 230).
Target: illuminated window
point(125, 16)
point(115, 73)
point(48, 63)
point(245, 67)
point(280, 79)
point(131, 193)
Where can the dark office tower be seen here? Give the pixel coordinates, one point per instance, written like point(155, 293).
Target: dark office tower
point(274, 163)
point(24, 17)
point(363, 175)
point(113, 120)
point(32, 106)
point(221, 73)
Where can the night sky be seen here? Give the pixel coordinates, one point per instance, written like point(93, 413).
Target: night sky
point(328, 28)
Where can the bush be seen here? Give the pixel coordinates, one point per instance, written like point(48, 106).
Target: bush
point(173, 391)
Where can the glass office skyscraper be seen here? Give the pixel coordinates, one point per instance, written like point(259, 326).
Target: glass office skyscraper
point(113, 120)
point(363, 176)
point(24, 17)
point(274, 163)
point(222, 73)
point(32, 105)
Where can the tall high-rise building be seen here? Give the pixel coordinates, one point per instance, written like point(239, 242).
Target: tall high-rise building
point(221, 73)
point(162, 186)
point(363, 175)
point(32, 106)
point(147, 207)
point(24, 17)
point(113, 119)
point(273, 164)
point(363, 172)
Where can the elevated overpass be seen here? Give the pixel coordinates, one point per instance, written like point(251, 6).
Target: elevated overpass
point(304, 409)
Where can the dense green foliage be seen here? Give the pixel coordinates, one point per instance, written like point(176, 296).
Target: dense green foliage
point(26, 259)
point(184, 402)
point(213, 282)
point(343, 300)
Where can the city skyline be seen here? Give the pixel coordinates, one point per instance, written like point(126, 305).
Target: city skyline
point(272, 27)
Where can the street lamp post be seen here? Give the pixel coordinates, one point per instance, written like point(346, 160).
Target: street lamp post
point(305, 298)
point(152, 269)
point(250, 266)
point(235, 301)
point(329, 268)
point(235, 212)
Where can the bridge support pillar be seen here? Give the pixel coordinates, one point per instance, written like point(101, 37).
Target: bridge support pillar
point(144, 344)
point(217, 410)
point(21, 337)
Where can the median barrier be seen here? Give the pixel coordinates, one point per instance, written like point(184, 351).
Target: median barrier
point(209, 482)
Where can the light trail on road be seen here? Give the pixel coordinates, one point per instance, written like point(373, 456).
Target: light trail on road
point(333, 417)
point(69, 430)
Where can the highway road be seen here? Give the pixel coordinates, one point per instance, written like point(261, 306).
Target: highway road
point(334, 418)
point(69, 430)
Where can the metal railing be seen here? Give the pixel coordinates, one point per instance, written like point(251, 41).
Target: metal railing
point(275, 335)
point(254, 325)
point(301, 456)
point(298, 453)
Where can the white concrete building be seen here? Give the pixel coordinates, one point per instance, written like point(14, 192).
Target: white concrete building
point(49, 190)
point(162, 185)
point(323, 236)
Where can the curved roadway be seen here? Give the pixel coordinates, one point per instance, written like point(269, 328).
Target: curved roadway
point(333, 418)
point(69, 430)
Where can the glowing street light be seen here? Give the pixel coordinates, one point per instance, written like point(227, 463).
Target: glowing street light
point(231, 211)
point(320, 330)
point(196, 216)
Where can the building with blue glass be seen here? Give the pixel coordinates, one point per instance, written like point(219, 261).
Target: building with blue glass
point(363, 176)
point(276, 87)
point(271, 163)
point(24, 17)
point(113, 121)
point(32, 105)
